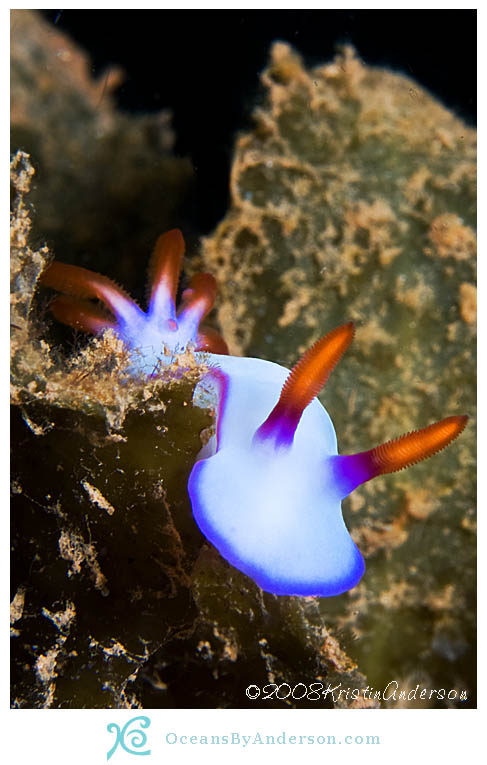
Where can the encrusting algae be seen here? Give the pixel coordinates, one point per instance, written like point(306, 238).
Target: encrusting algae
point(354, 198)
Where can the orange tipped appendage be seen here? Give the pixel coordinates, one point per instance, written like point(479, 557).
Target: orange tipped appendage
point(164, 269)
point(81, 283)
point(304, 382)
point(416, 446)
point(210, 340)
point(355, 469)
point(150, 333)
point(200, 296)
point(198, 300)
point(81, 314)
point(314, 368)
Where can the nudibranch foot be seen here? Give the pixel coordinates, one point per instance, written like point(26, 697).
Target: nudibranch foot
point(267, 518)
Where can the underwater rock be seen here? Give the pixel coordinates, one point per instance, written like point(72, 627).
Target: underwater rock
point(251, 648)
point(353, 198)
point(107, 182)
point(117, 601)
point(103, 540)
point(29, 356)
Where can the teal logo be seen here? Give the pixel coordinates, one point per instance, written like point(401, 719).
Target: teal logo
point(129, 738)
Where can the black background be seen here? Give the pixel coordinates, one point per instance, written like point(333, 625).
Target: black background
point(204, 65)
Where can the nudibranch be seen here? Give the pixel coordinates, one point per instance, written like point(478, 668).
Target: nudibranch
point(266, 490)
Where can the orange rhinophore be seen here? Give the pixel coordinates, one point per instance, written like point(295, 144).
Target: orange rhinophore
point(354, 469)
point(304, 382)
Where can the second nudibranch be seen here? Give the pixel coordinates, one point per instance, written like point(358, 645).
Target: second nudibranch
point(266, 491)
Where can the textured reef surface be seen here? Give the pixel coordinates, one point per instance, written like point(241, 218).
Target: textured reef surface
point(353, 198)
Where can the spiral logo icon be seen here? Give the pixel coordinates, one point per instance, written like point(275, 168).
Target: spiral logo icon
point(130, 738)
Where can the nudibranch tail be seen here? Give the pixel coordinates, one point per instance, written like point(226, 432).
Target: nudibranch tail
point(164, 269)
point(303, 383)
point(78, 282)
point(355, 469)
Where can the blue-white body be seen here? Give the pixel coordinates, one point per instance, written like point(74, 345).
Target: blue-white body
point(275, 515)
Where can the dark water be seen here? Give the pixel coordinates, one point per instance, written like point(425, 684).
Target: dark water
point(205, 65)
